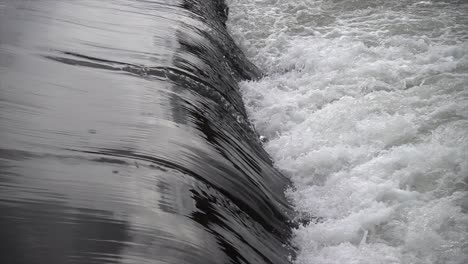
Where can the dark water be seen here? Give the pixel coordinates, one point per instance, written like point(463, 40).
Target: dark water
point(123, 138)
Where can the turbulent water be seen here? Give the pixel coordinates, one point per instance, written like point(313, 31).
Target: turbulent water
point(365, 104)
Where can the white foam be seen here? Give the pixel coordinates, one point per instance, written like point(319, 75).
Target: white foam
point(365, 105)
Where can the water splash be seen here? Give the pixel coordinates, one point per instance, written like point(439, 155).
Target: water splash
point(365, 104)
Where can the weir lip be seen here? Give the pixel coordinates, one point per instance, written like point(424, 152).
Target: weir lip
point(124, 138)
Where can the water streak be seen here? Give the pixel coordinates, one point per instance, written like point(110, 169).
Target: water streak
point(124, 138)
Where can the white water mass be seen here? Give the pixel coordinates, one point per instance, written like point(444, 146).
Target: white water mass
point(365, 107)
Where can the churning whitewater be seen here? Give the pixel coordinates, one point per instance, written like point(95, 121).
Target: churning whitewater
point(365, 107)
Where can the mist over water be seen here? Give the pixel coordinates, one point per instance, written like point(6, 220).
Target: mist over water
point(365, 107)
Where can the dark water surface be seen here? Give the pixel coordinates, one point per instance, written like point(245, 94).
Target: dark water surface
point(123, 138)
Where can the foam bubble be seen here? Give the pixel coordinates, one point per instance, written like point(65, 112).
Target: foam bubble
point(365, 105)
